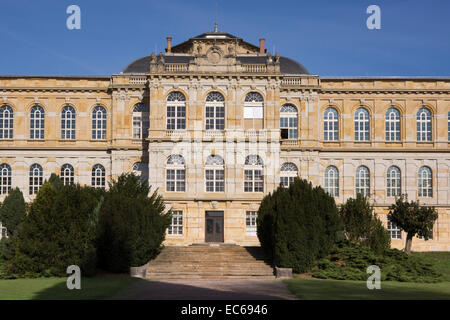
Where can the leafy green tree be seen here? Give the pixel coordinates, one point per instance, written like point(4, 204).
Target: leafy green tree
point(413, 218)
point(132, 224)
point(55, 181)
point(362, 226)
point(298, 225)
point(13, 211)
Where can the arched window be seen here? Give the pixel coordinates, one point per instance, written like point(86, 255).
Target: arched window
point(331, 125)
point(253, 174)
point(393, 182)
point(363, 181)
point(68, 116)
point(332, 181)
point(423, 125)
point(99, 123)
point(362, 125)
point(36, 178)
point(176, 111)
point(425, 182)
point(5, 178)
point(141, 121)
point(98, 176)
point(288, 172)
point(215, 174)
point(37, 116)
point(6, 122)
point(215, 111)
point(289, 122)
point(392, 125)
point(175, 174)
point(141, 169)
point(253, 111)
point(67, 174)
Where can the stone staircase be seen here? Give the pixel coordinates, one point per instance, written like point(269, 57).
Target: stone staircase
point(214, 262)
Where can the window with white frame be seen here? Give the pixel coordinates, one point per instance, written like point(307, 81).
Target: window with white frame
point(36, 178)
point(3, 233)
point(37, 118)
point(98, 176)
point(393, 182)
point(448, 124)
point(140, 169)
point(215, 111)
point(363, 181)
point(5, 178)
point(250, 223)
point(99, 123)
point(254, 106)
point(68, 116)
point(331, 124)
point(176, 111)
point(215, 174)
point(288, 172)
point(425, 182)
point(332, 181)
point(67, 174)
point(175, 174)
point(424, 125)
point(289, 121)
point(393, 231)
point(176, 227)
point(141, 122)
point(392, 121)
point(253, 174)
point(6, 122)
point(362, 125)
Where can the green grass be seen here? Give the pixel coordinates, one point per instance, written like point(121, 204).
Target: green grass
point(55, 288)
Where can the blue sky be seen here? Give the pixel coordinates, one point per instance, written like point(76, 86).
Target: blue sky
point(328, 37)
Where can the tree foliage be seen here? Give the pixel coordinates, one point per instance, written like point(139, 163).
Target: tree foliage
point(413, 218)
point(12, 211)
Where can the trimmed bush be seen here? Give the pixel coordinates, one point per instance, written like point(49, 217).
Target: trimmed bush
point(298, 225)
point(132, 225)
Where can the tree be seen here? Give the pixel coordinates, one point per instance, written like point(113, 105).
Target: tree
point(13, 211)
point(298, 225)
point(362, 226)
point(55, 181)
point(413, 218)
point(132, 224)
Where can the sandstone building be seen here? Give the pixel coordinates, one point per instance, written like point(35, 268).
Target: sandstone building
point(217, 122)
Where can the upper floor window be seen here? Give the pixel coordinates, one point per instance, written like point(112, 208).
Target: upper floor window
point(68, 116)
point(362, 125)
point(67, 174)
point(215, 174)
point(176, 174)
point(176, 111)
point(423, 125)
point(393, 182)
point(425, 182)
point(363, 181)
point(6, 122)
point(36, 178)
point(5, 178)
point(99, 123)
point(141, 121)
point(37, 116)
point(288, 172)
point(254, 106)
point(392, 125)
point(289, 122)
point(332, 181)
point(253, 174)
point(140, 169)
point(331, 125)
point(98, 176)
point(215, 111)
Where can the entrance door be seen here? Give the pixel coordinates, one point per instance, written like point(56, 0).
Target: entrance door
point(214, 226)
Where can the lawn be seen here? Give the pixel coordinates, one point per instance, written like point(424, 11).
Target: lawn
point(55, 288)
point(319, 289)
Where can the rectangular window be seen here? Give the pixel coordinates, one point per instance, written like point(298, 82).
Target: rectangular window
point(176, 227)
point(215, 180)
point(250, 223)
point(175, 180)
point(394, 231)
point(253, 181)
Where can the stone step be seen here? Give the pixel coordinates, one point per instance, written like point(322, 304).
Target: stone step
point(164, 276)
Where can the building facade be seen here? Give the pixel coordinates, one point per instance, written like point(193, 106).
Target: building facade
point(216, 123)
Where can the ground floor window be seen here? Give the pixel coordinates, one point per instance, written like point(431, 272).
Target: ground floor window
point(176, 227)
point(250, 222)
point(394, 231)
